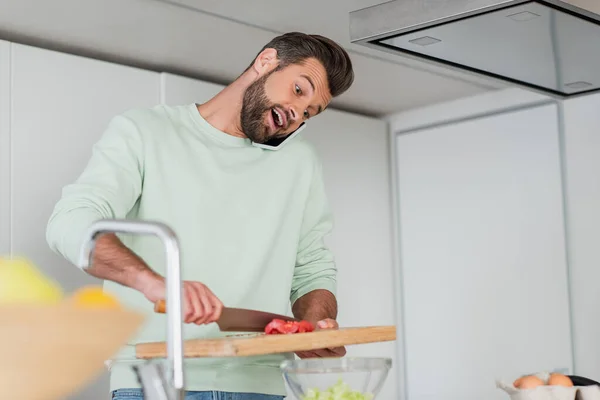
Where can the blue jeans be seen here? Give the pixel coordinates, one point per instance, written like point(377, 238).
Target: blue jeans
point(136, 394)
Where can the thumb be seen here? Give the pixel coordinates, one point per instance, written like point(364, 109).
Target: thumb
point(327, 324)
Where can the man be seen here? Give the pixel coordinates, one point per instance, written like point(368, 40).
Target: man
point(251, 220)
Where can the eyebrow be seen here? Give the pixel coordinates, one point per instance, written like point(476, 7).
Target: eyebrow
point(309, 81)
point(319, 108)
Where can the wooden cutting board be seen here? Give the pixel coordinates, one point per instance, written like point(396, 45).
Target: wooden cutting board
point(271, 344)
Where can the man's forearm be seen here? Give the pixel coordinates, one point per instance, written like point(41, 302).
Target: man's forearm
point(315, 306)
point(113, 261)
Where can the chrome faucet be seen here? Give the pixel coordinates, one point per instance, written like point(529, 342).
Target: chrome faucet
point(155, 387)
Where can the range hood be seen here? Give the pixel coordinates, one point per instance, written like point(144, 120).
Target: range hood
point(550, 46)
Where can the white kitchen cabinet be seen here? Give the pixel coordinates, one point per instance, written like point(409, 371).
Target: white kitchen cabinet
point(582, 163)
point(179, 90)
point(60, 106)
point(4, 148)
point(483, 255)
point(356, 168)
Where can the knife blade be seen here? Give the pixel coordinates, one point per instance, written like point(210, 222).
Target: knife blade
point(238, 319)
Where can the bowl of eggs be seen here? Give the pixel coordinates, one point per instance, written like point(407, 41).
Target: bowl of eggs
point(546, 386)
point(533, 381)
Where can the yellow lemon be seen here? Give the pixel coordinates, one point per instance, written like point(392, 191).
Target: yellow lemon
point(94, 297)
point(21, 282)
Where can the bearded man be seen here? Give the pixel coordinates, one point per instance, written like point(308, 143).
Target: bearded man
point(245, 196)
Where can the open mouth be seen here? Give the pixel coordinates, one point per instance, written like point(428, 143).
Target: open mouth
point(278, 118)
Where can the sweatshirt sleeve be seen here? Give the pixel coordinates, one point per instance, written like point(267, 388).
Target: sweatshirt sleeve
point(315, 266)
point(108, 187)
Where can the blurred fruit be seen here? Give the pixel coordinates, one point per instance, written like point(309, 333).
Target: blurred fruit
point(528, 382)
point(21, 282)
point(559, 380)
point(94, 297)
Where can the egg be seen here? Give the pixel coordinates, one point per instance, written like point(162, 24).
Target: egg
point(559, 380)
point(528, 382)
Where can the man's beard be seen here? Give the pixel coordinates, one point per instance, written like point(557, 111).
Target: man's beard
point(254, 107)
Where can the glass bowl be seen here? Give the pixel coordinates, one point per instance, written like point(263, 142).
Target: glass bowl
point(325, 378)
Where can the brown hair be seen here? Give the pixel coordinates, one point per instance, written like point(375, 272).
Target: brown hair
point(296, 47)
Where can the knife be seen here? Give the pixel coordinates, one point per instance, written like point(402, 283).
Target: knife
point(238, 319)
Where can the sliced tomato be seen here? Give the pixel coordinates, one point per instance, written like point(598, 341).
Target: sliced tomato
point(305, 326)
point(289, 327)
point(279, 327)
point(274, 327)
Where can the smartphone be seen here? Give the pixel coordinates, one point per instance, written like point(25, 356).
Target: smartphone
point(279, 142)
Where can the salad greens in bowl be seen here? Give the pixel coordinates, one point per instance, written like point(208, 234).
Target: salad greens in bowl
point(336, 378)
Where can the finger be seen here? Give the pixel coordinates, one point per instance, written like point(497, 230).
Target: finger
point(211, 304)
point(207, 307)
point(188, 309)
point(186, 305)
point(312, 354)
point(338, 351)
point(331, 353)
point(196, 304)
point(306, 354)
point(334, 352)
point(327, 324)
point(323, 353)
point(199, 315)
point(217, 308)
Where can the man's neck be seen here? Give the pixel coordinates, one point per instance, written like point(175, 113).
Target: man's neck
point(223, 111)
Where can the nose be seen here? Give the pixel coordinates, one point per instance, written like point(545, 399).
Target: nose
point(293, 114)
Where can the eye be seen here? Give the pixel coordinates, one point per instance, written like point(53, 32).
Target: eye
point(297, 89)
point(306, 114)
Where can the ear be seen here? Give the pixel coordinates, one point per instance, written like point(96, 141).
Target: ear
point(266, 61)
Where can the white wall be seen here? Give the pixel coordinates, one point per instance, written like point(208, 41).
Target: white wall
point(61, 104)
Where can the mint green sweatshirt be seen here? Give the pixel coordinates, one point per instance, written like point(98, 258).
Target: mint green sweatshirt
point(251, 224)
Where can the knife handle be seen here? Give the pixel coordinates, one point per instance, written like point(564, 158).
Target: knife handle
point(160, 307)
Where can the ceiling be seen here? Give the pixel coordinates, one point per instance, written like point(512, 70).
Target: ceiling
point(384, 84)
point(216, 39)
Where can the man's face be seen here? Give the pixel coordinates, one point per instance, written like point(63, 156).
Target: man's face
point(279, 101)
